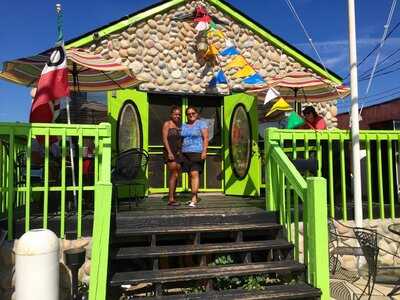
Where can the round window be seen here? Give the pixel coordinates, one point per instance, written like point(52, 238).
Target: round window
point(129, 128)
point(240, 141)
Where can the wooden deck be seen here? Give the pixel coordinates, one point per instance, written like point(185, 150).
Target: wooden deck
point(147, 209)
point(207, 201)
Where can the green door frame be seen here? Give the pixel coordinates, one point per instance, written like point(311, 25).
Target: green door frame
point(250, 184)
point(213, 151)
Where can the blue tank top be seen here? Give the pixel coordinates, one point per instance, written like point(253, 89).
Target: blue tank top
point(192, 137)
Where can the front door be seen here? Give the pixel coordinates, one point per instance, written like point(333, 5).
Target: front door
point(241, 155)
point(210, 111)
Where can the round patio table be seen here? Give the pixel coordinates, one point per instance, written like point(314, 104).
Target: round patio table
point(395, 228)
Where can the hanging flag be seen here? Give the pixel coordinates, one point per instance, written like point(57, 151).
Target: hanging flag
point(229, 44)
point(206, 19)
point(216, 32)
point(294, 121)
point(254, 79)
point(211, 51)
point(202, 26)
point(280, 105)
point(237, 62)
point(245, 72)
point(271, 95)
point(201, 14)
point(219, 78)
point(213, 25)
point(229, 51)
point(52, 85)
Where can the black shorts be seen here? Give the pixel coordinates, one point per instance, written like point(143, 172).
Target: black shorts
point(192, 162)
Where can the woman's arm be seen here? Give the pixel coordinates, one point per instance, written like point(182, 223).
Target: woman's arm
point(204, 134)
point(165, 140)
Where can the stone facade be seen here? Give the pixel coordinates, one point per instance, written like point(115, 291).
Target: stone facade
point(163, 52)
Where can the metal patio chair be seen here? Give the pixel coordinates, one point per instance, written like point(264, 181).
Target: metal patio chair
point(368, 240)
point(336, 250)
point(128, 165)
point(36, 170)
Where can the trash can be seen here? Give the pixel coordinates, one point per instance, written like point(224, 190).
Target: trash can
point(37, 266)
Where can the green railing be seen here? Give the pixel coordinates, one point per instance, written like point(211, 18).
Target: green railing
point(302, 205)
point(332, 150)
point(36, 184)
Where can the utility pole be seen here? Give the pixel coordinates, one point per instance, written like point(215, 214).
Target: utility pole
point(355, 130)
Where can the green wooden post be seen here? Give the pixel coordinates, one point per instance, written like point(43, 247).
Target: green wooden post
point(369, 179)
point(380, 177)
point(390, 177)
point(316, 203)
point(330, 178)
point(271, 174)
point(101, 234)
point(10, 198)
point(101, 224)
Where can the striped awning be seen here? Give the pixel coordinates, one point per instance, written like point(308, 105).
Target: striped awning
point(303, 87)
point(88, 72)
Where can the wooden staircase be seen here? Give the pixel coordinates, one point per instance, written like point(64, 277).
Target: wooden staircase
point(172, 255)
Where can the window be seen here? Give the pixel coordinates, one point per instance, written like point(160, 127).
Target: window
point(129, 128)
point(240, 141)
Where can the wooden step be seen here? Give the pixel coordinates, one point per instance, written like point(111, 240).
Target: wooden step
point(191, 217)
point(223, 227)
point(290, 291)
point(203, 212)
point(197, 273)
point(180, 250)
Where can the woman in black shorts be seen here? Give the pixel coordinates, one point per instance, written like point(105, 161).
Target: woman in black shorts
point(194, 149)
point(172, 151)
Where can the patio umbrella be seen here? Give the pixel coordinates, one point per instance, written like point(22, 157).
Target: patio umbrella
point(302, 86)
point(88, 72)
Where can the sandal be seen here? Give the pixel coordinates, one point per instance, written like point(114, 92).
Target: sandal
point(173, 203)
point(192, 204)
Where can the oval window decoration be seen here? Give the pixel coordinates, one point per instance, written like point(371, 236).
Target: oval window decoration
point(129, 128)
point(240, 141)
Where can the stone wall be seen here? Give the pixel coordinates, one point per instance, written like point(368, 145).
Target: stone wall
point(7, 270)
point(163, 52)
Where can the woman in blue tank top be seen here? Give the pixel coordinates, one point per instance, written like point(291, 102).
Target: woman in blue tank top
point(194, 149)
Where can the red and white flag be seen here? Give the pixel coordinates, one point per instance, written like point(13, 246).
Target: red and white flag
point(51, 87)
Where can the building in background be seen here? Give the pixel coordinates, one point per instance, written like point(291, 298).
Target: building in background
point(382, 116)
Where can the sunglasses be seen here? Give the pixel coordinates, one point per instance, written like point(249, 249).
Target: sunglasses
point(191, 114)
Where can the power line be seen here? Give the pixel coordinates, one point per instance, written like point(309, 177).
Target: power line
point(373, 101)
point(380, 93)
point(386, 27)
point(381, 74)
point(375, 48)
point(383, 61)
point(293, 10)
point(382, 69)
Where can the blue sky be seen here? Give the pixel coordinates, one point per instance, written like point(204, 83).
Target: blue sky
point(28, 27)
